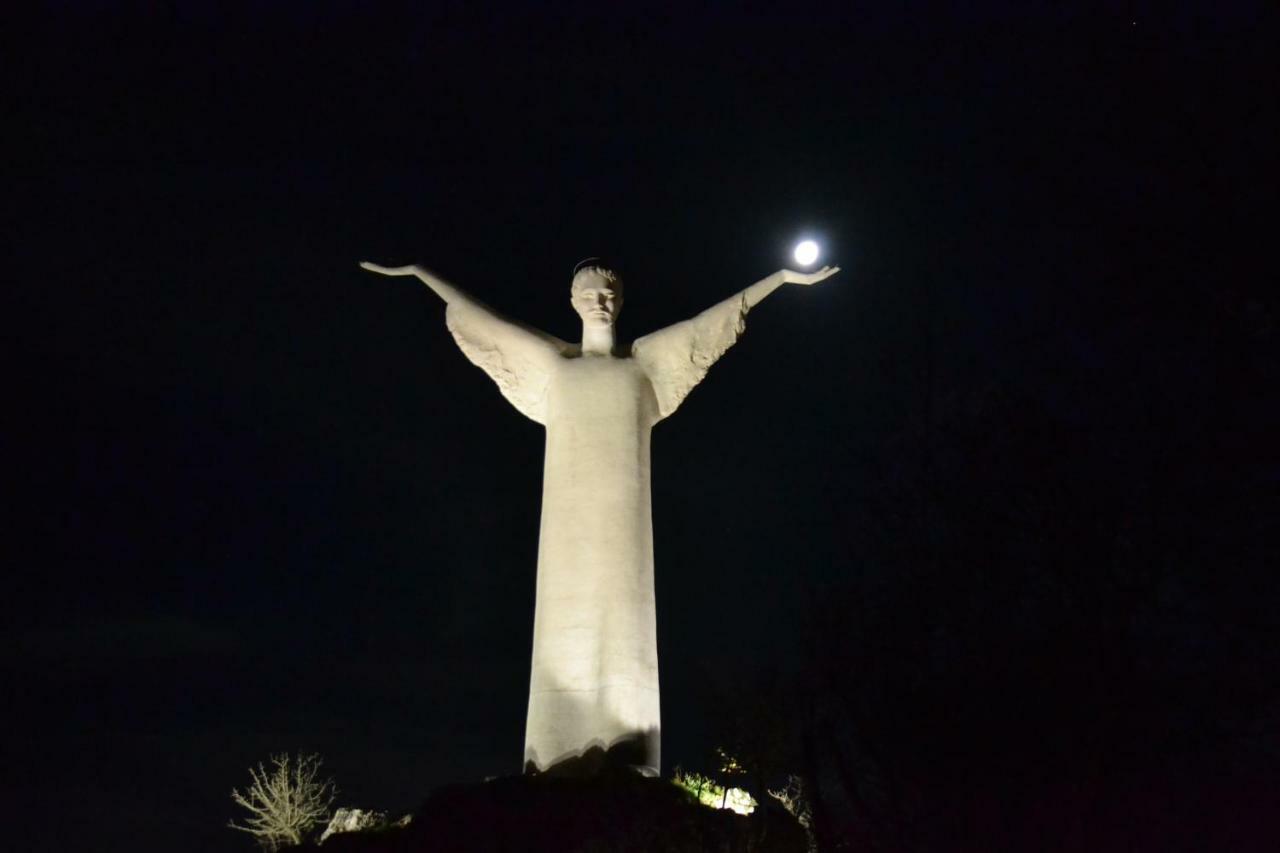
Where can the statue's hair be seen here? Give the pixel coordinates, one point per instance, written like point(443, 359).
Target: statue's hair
point(594, 265)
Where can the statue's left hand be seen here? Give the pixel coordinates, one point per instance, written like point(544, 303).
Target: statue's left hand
point(793, 277)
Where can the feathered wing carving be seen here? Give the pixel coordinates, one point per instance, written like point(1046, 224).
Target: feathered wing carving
point(519, 359)
point(678, 357)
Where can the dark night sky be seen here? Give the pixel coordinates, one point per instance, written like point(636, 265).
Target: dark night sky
point(264, 504)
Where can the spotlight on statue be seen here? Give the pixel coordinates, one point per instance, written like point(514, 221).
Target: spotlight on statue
point(805, 253)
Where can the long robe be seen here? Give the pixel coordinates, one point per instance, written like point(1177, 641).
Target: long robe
point(594, 677)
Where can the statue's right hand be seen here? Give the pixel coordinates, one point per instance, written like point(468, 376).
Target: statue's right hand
point(411, 269)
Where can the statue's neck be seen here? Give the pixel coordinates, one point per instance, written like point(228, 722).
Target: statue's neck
point(597, 340)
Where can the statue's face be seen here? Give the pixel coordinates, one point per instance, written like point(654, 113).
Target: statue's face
point(597, 300)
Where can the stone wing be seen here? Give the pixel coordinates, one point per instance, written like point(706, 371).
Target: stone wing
point(678, 357)
point(519, 359)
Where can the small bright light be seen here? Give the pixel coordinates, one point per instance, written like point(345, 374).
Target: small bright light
point(806, 252)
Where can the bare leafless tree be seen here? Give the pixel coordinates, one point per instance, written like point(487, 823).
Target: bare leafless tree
point(795, 800)
point(285, 801)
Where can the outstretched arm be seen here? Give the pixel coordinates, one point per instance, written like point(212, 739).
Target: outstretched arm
point(443, 289)
point(678, 357)
point(520, 359)
point(460, 302)
point(762, 288)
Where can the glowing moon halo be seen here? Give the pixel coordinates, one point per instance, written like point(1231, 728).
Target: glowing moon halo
point(806, 252)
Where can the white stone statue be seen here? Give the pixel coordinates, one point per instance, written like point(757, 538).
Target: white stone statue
point(594, 681)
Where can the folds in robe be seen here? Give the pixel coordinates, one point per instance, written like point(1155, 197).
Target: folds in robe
point(678, 357)
point(519, 359)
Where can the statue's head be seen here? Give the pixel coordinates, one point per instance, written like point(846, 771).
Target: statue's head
point(596, 294)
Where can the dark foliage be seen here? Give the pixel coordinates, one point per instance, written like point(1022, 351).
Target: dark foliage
point(613, 813)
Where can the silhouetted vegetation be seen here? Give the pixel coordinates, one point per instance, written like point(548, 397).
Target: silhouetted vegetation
point(615, 812)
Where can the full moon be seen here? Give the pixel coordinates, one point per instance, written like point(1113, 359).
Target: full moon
point(806, 252)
